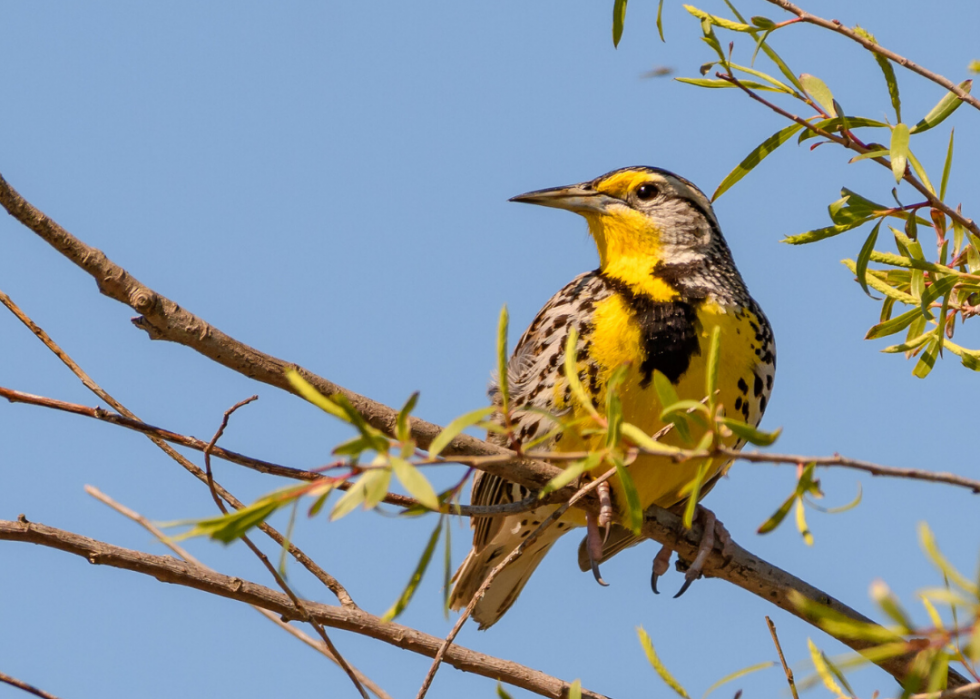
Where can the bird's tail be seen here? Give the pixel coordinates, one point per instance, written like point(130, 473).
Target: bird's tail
point(508, 584)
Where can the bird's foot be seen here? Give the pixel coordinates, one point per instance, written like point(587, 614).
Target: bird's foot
point(605, 509)
point(713, 531)
point(594, 542)
point(661, 564)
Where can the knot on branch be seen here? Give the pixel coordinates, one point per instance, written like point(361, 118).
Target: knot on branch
point(143, 300)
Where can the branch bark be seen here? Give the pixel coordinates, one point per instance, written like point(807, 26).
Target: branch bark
point(170, 570)
point(165, 320)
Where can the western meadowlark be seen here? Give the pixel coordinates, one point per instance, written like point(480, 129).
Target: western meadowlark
point(665, 280)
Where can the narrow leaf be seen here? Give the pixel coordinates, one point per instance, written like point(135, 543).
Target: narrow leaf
point(402, 425)
point(865, 255)
point(738, 673)
point(571, 472)
point(819, 662)
point(928, 542)
point(898, 151)
point(307, 392)
point(755, 157)
point(413, 582)
point(896, 324)
point(503, 376)
point(751, 434)
point(946, 167)
point(454, 428)
point(946, 106)
point(921, 172)
point(801, 524)
point(660, 23)
point(415, 483)
point(619, 19)
point(571, 373)
point(645, 442)
point(694, 493)
point(927, 360)
point(635, 509)
point(718, 21)
point(822, 233)
point(778, 516)
point(821, 94)
point(654, 661)
point(837, 123)
point(713, 83)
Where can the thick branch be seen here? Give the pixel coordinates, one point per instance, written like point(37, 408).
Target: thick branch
point(170, 570)
point(836, 26)
point(163, 319)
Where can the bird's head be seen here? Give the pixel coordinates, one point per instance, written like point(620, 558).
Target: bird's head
point(640, 213)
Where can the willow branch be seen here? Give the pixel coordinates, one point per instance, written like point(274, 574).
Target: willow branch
point(934, 201)
point(836, 26)
point(318, 572)
point(185, 555)
point(30, 689)
point(170, 570)
point(163, 319)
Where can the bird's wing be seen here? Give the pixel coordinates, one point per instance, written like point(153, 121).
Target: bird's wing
point(532, 375)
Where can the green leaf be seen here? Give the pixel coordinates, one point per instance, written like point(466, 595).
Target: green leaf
point(822, 233)
point(693, 489)
point(415, 483)
point(571, 472)
point(402, 429)
point(763, 23)
point(946, 106)
point(614, 405)
point(738, 673)
point(571, 373)
point(928, 542)
point(836, 123)
point(321, 492)
point(503, 376)
point(909, 345)
point(836, 624)
point(658, 666)
point(454, 428)
point(899, 150)
point(820, 664)
point(821, 94)
point(864, 256)
point(927, 360)
point(501, 692)
point(876, 153)
point(227, 528)
point(887, 70)
point(413, 582)
point(757, 155)
point(778, 516)
point(308, 393)
point(619, 18)
point(783, 68)
point(664, 389)
point(706, 82)
point(718, 21)
point(921, 172)
point(711, 371)
point(366, 486)
point(751, 434)
point(645, 442)
point(890, 605)
point(937, 289)
point(633, 506)
point(660, 23)
point(896, 324)
point(780, 87)
point(801, 524)
point(575, 690)
point(946, 167)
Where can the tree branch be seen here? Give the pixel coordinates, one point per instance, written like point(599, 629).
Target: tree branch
point(170, 570)
point(30, 689)
point(836, 26)
point(163, 319)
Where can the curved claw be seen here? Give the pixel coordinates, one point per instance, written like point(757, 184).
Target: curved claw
point(687, 584)
point(661, 564)
point(597, 576)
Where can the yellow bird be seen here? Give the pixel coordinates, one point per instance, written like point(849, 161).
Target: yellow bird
point(665, 280)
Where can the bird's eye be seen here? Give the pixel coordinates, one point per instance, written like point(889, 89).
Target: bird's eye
point(646, 192)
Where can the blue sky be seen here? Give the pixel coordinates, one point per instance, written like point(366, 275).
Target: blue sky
point(328, 182)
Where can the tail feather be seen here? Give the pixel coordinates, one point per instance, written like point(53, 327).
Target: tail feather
point(504, 588)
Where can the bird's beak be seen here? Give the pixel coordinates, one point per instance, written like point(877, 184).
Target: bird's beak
point(580, 198)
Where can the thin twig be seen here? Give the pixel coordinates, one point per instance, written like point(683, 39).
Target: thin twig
point(280, 581)
point(170, 570)
point(836, 26)
point(482, 462)
point(163, 319)
point(513, 555)
point(850, 144)
point(184, 554)
point(323, 576)
point(967, 690)
point(30, 689)
point(782, 659)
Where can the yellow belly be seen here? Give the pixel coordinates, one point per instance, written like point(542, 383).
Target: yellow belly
point(616, 340)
